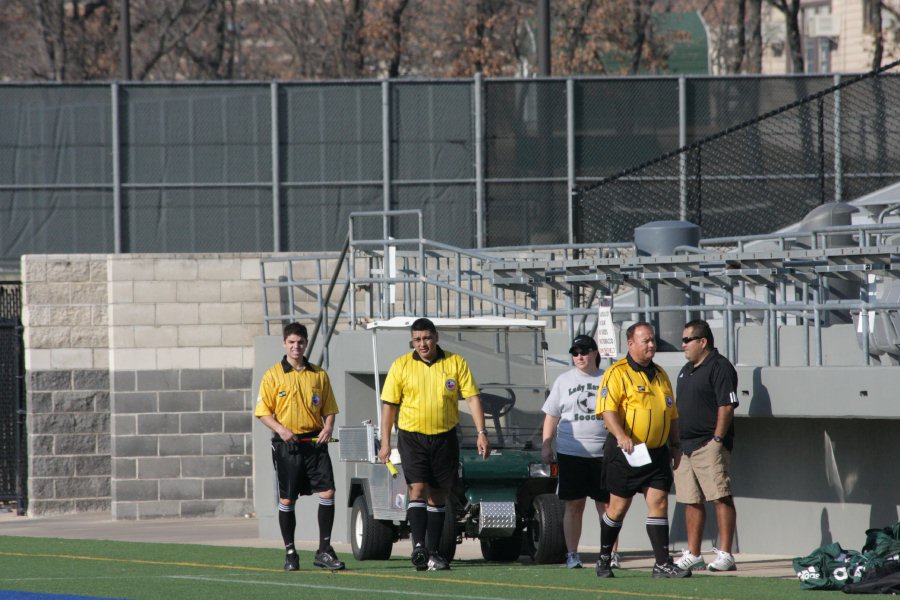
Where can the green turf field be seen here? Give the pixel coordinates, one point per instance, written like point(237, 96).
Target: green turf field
point(142, 571)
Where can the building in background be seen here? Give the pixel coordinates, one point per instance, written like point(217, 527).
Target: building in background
point(837, 36)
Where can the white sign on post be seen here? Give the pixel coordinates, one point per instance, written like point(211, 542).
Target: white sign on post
point(607, 341)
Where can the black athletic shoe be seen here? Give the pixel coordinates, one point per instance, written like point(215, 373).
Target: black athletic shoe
point(670, 571)
point(604, 567)
point(328, 560)
point(291, 561)
point(419, 558)
point(437, 563)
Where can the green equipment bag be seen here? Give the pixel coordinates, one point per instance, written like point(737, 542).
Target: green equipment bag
point(882, 545)
point(828, 568)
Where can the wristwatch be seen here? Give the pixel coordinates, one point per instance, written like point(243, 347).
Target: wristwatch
point(717, 439)
point(484, 431)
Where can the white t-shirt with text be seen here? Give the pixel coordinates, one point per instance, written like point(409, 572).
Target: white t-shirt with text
point(573, 398)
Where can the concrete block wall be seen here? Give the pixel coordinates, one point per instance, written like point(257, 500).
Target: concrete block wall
point(181, 443)
point(139, 378)
point(68, 395)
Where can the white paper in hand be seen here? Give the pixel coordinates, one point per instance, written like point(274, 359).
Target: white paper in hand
point(639, 457)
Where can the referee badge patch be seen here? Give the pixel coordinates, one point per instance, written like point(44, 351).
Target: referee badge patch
point(669, 401)
point(450, 385)
point(316, 400)
point(604, 392)
point(282, 394)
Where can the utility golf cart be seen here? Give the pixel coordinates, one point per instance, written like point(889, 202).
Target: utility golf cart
point(508, 501)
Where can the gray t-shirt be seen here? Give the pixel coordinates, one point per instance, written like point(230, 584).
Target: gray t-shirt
point(573, 398)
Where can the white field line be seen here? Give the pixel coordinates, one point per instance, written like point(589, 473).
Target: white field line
point(361, 590)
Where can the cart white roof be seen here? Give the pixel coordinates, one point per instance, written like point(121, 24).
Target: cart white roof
point(468, 323)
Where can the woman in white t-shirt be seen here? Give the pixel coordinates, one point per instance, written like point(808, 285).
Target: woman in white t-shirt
point(580, 434)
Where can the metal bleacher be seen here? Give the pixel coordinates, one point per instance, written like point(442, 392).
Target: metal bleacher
point(812, 279)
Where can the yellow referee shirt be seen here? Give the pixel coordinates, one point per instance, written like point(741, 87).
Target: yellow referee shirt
point(429, 394)
point(300, 400)
point(646, 408)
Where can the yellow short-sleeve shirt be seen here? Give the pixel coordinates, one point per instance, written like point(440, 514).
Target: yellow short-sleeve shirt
point(299, 400)
point(646, 408)
point(428, 395)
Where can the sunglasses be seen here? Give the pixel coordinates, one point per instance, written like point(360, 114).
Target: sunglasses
point(688, 340)
point(581, 353)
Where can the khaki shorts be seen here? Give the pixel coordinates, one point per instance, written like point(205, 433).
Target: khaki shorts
point(704, 475)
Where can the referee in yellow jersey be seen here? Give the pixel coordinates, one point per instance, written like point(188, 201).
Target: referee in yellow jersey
point(638, 407)
point(296, 402)
point(425, 385)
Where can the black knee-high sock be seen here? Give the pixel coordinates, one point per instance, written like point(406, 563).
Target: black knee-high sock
point(658, 532)
point(287, 521)
point(326, 522)
point(609, 533)
point(417, 518)
point(436, 515)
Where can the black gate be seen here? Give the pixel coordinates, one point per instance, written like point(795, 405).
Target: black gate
point(12, 397)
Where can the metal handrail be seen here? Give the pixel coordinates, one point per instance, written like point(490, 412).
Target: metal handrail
point(438, 279)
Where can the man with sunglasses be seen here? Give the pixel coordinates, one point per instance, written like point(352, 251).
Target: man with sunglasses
point(570, 417)
point(638, 407)
point(707, 396)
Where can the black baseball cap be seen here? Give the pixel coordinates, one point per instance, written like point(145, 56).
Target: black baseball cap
point(583, 342)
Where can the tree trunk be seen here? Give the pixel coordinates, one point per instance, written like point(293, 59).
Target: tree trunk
point(738, 58)
point(640, 36)
point(877, 37)
point(754, 36)
point(791, 11)
point(396, 38)
point(351, 56)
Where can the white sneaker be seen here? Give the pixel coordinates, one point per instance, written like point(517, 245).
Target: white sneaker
point(689, 561)
point(614, 560)
point(724, 561)
point(573, 561)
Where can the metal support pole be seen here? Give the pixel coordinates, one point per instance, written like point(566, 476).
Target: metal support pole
point(276, 167)
point(478, 85)
point(377, 381)
point(386, 192)
point(821, 128)
point(544, 38)
point(805, 296)
point(125, 42)
point(838, 169)
point(351, 274)
point(772, 323)
point(386, 153)
point(864, 325)
point(117, 169)
point(817, 320)
point(730, 334)
point(682, 142)
point(423, 268)
point(570, 153)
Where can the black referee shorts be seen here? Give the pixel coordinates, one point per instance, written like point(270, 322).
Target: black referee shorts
point(580, 477)
point(625, 481)
point(431, 459)
point(302, 468)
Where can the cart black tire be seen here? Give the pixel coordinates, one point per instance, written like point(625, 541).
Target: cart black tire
point(501, 549)
point(545, 528)
point(370, 539)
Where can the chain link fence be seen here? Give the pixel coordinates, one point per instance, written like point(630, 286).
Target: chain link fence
point(767, 173)
point(250, 166)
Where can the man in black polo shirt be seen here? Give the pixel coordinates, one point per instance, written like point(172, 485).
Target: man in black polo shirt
point(706, 396)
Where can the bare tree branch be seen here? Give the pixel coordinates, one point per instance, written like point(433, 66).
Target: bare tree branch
point(791, 11)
